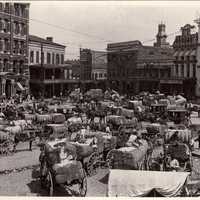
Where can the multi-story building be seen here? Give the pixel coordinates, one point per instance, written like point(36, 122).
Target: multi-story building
point(99, 65)
point(93, 68)
point(14, 31)
point(185, 59)
point(74, 67)
point(48, 73)
point(133, 67)
point(86, 64)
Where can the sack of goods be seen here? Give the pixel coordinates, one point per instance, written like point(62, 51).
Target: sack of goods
point(110, 142)
point(179, 151)
point(67, 171)
point(43, 118)
point(4, 136)
point(83, 150)
point(58, 118)
point(52, 150)
point(128, 157)
point(29, 116)
point(182, 135)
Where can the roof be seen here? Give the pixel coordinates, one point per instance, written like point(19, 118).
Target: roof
point(126, 44)
point(154, 54)
point(49, 66)
point(33, 38)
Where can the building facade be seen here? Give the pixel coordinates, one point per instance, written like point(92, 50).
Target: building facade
point(93, 69)
point(99, 65)
point(185, 59)
point(134, 67)
point(14, 31)
point(48, 73)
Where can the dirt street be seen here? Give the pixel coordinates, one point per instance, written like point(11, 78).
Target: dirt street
point(19, 176)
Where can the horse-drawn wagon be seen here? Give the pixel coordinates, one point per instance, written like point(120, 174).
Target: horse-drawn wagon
point(59, 167)
point(132, 183)
point(132, 157)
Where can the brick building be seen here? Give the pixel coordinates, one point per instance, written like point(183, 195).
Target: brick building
point(185, 59)
point(48, 73)
point(93, 68)
point(14, 31)
point(134, 67)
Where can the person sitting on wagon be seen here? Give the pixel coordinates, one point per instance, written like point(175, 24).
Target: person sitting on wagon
point(108, 131)
point(174, 165)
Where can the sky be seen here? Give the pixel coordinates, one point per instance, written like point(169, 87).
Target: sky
point(94, 24)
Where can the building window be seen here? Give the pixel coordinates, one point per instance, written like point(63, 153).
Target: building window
point(96, 76)
point(7, 8)
point(182, 70)
point(194, 70)
point(176, 70)
point(188, 70)
point(62, 59)
point(37, 57)
point(100, 75)
point(42, 57)
point(105, 75)
point(32, 57)
point(48, 58)
point(53, 58)
point(1, 6)
point(57, 59)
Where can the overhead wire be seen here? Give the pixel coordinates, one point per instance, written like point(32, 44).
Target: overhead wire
point(99, 39)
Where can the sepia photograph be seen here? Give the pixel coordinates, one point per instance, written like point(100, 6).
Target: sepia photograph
point(99, 98)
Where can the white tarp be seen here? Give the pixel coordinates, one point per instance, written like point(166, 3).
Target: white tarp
point(132, 183)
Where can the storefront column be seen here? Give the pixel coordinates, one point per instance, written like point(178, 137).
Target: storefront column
point(3, 85)
point(12, 87)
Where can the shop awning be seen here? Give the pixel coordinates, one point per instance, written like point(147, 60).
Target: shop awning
point(20, 87)
point(181, 53)
point(193, 53)
point(187, 53)
point(176, 53)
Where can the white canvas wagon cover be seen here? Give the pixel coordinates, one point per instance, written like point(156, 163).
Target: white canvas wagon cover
point(132, 183)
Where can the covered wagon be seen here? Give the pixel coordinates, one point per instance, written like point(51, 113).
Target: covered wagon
point(133, 158)
point(58, 166)
point(55, 131)
point(94, 94)
point(132, 183)
point(40, 118)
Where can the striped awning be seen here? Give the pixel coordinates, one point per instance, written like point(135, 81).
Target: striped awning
point(187, 53)
point(176, 53)
point(181, 53)
point(20, 87)
point(193, 53)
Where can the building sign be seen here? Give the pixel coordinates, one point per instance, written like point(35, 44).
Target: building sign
point(99, 60)
point(171, 81)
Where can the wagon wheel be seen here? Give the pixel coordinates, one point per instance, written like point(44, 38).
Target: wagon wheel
point(142, 166)
point(83, 185)
point(91, 165)
point(49, 183)
point(10, 147)
point(43, 173)
point(109, 159)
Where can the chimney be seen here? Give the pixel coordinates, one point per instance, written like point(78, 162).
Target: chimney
point(50, 39)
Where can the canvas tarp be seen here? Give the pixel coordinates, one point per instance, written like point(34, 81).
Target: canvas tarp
point(131, 183)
